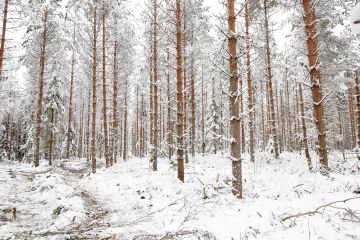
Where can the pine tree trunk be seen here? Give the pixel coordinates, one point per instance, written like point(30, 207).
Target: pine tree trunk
point(313, 56)
point(113, 157)
point(352, 117)
point(104, 95)
point(125, 144)
point(235, 152)
point(81, 131)
point(357, 90)
point(249, 81)
point(142, 137)
point(185, 120)
point(179, 88)
point(94, 99)
point(51, 137)
point(41, 93)
point(88, 130)
point(3, 37)
point(203, 110)
point(193, 100)
point(304, 130)
point(269, 76)
point(154, 153)
point(68, 141)
point(169, 120)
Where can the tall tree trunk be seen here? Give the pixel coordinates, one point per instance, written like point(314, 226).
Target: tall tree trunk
point(104, 95)
point(142, 144)
point(81, 131)
point(94, 99)
point(185, 85)
point(179, 88)
point(193, 100)
point(313, 56)
point(88, 130)
point(51, 137)
point(235, 152)
point(3, 37)
point(203, 110)
point(169, 120)
point(249, 81)
point(125, 144)
point(357, 90)
point(68, 141)
point(352, 117)
point(304, 130)
point(113, 157)
point(41, 93)
point(269, 76)
point(154, 153)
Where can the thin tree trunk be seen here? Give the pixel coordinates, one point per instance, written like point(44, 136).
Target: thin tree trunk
point(185, 120)
point(203, 110)
point(352, 117)
point(41, 93)
point(304, 130)
point(142, 144)
point(235, 152)
point(357, 89)
point(94, 99)
point(154, 153)
point(313, 56)
point(3, 37)
point(51, 137)
point(193, 100)
point(68, 141)
point(88, 131)
point(81, 131)
point(179, 88)
point(169, 120)
point(125, 122)
point(249, 81)
point(269, 76)
point(104, 95)
point(115, 104)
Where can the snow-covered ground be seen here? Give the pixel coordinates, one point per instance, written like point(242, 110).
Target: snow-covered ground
point(129, 201)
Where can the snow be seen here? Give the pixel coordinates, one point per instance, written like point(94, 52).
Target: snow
point(355, 19)
point(137, 203)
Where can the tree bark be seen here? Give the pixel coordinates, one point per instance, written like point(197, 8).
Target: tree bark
point(179, 88)
point(68, 141)
point(193, 100)
point(104, 95)
point(81, 131)
point(94, 99)
point(357, 89)
point(270, 82)
point(154, 153)
point(113, 157)
point(315, 77)
point(125, 146)
point(352, 117)
point(3, 37)
point(249, 81)
point(185, 120)
point(235, 152)
point(41, 93)
point(304, 130)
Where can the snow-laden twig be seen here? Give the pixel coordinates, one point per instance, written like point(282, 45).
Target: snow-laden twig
point(317, 210)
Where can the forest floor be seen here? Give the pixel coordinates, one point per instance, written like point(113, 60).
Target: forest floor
point(129, 201)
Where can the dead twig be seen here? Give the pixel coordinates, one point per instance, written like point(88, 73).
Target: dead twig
point(317, 210)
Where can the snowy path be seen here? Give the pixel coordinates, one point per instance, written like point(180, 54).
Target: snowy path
point(128, 201)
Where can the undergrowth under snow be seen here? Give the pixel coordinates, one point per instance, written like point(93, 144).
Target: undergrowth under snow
point(129, 201)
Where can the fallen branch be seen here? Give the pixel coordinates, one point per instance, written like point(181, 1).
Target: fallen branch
point(317, 210)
